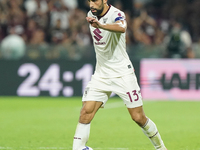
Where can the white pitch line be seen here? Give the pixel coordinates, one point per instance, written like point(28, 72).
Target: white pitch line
point(110, 105)
point(114, 105)
point(118, 104)
point(52, 148)
point(113, 148)
point(6, 148)
point(58, 148)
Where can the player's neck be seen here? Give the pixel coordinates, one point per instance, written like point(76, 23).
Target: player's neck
point(105, 10)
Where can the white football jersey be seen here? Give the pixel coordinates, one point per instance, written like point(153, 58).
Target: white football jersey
point(110, 47)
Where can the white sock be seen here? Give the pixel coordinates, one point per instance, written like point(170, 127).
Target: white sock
point(81, 136)
point(151, 131)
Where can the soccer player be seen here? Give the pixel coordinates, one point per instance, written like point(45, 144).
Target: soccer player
point(114, 73)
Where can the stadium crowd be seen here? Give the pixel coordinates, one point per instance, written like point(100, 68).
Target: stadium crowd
point(57, 28)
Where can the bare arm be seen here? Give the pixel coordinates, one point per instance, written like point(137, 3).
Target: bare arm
point(118, 26)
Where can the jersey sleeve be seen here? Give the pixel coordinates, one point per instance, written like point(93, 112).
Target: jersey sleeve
point(118, 15)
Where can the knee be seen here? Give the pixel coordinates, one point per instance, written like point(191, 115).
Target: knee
point(87, 110)
point(139, 119)
point(86, 115)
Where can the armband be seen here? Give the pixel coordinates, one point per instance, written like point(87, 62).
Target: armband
point(119, 18)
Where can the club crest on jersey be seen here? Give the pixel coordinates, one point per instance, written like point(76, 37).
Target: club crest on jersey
point(104, 20)
point(98, 37)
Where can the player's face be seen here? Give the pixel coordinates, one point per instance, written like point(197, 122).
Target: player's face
point(96, 7)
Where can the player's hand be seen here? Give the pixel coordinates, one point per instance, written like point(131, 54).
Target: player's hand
point(94, 22)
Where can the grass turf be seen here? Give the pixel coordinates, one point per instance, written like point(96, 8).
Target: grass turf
point(50, 123)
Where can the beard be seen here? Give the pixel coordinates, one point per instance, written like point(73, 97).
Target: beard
point(98, 11)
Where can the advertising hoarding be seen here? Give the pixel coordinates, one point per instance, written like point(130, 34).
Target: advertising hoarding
point(174, 79)
point(44, 78)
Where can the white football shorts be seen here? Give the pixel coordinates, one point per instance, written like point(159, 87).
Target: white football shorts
point(126, 87)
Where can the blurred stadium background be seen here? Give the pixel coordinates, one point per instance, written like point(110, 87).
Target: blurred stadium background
point(46, 48)
point(46, 54)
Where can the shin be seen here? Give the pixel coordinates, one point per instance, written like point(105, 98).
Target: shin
point(83, 128)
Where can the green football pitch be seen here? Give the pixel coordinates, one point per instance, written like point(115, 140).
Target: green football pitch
point(45, 123)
